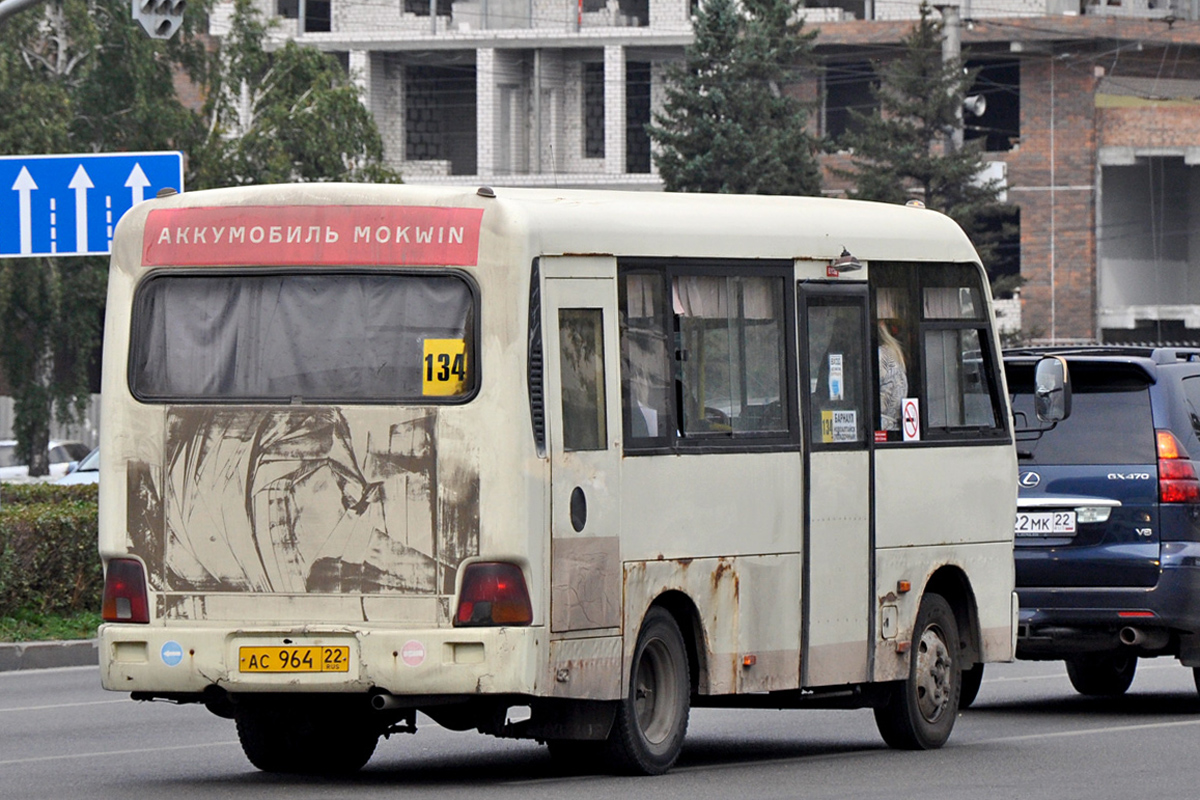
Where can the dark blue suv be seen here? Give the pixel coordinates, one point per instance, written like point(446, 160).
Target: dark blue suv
point(1108, 520)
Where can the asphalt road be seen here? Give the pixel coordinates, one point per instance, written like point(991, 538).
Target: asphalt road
point(1028, 736)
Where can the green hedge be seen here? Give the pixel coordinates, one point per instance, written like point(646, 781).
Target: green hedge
point(48, 558)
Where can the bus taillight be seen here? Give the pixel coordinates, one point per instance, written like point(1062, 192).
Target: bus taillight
point(493, 593)
point(125, 598)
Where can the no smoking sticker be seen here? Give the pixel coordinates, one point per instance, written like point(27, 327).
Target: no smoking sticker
point(910, 419)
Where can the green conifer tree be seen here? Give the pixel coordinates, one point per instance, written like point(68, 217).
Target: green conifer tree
point(905, 150)
point(728, 123)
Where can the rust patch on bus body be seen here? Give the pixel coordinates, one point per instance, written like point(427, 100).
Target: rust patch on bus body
point(296, 501)
point(712, 588)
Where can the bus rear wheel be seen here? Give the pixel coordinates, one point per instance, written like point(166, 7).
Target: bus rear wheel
point(919, 713)
point(298, 738)
point(651, 721)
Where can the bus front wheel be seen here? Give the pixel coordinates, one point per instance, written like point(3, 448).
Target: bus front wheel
point(919, 712)
point(652, 719)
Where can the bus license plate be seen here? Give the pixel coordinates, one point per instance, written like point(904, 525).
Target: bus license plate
point(1045, 523)
point(305, 658)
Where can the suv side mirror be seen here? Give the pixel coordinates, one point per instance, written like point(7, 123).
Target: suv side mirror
point(1052, 389)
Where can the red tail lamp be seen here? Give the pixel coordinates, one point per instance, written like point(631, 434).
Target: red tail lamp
point(125, 598)
point(493, 593)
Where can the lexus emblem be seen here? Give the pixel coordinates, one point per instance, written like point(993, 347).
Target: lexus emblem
point(1030, 479)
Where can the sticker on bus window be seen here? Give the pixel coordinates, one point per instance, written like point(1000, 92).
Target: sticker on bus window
point(910, 419)
point(836, 385)
point(839, 426)
point(444, 367)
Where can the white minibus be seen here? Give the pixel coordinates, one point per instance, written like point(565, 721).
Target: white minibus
point(557, 465)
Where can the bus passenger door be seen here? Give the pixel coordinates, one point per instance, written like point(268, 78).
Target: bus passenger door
point(835, 370)
point(581, 397)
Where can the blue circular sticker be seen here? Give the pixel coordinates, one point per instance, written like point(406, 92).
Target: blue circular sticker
point(172, 654)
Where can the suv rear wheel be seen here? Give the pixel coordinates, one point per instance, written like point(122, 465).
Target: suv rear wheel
point(1106, 675)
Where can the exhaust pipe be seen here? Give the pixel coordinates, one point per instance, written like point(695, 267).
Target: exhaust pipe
point(1147, 640)
point(386, 702)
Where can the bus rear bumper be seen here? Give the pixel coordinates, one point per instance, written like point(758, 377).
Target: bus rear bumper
point(452, 661)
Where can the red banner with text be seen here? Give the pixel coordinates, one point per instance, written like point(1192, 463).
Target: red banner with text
point(302, 235)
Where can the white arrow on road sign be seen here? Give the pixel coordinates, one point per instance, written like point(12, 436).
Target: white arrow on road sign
point(137, 183)
point(81, 183)
point(36, 216)
point(23, 186)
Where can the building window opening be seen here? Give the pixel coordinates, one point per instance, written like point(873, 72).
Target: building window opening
point(318, 16)
point(637, 116)
point(593, 110)
point(420, 8)
point(849, 87)
point(998, 123)
point(439, 116)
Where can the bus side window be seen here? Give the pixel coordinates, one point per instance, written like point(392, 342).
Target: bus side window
point(646, 385)
point(732, 354)
point(960, 394)
point(835, 368)
point(892, 332)
point(937, 318)
point(581, 356)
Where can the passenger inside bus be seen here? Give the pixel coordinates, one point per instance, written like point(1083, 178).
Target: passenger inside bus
point(893, 377)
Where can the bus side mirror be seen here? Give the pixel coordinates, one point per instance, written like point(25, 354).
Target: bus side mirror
point(1052, 389)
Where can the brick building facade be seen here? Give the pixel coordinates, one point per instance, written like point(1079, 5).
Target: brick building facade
point(1094, 119)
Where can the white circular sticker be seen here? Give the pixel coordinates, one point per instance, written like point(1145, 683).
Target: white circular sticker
point(413, 653)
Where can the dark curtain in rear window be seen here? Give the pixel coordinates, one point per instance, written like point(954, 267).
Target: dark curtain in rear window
point(343, 337)
point(1110, 420)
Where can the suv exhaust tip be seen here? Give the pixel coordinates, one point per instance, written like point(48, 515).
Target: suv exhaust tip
point(1147, 640)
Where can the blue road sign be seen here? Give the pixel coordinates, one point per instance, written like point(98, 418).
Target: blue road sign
point(68, 205)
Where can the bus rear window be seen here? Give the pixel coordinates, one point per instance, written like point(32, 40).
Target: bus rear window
point(312, 337)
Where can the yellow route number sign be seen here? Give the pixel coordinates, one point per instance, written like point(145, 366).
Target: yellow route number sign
point(444, 367)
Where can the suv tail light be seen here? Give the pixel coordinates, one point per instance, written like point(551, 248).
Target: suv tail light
point(493, 593)
point(1177, 480)
point(125, 598)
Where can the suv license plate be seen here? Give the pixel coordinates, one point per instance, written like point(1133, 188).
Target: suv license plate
point(303, 658)
point(1045, 523)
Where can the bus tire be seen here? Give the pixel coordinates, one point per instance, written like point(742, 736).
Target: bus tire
point(971, 679)
point(1107, 675)
point(303, 739)
point(651, 721)
point(919, 712)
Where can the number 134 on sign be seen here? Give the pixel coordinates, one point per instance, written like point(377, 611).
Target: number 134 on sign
point(444, 367)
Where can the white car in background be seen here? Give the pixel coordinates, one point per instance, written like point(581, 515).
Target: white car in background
point(62, 456)
point(87, 471)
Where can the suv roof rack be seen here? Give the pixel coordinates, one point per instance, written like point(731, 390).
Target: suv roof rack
point(1157, 354)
